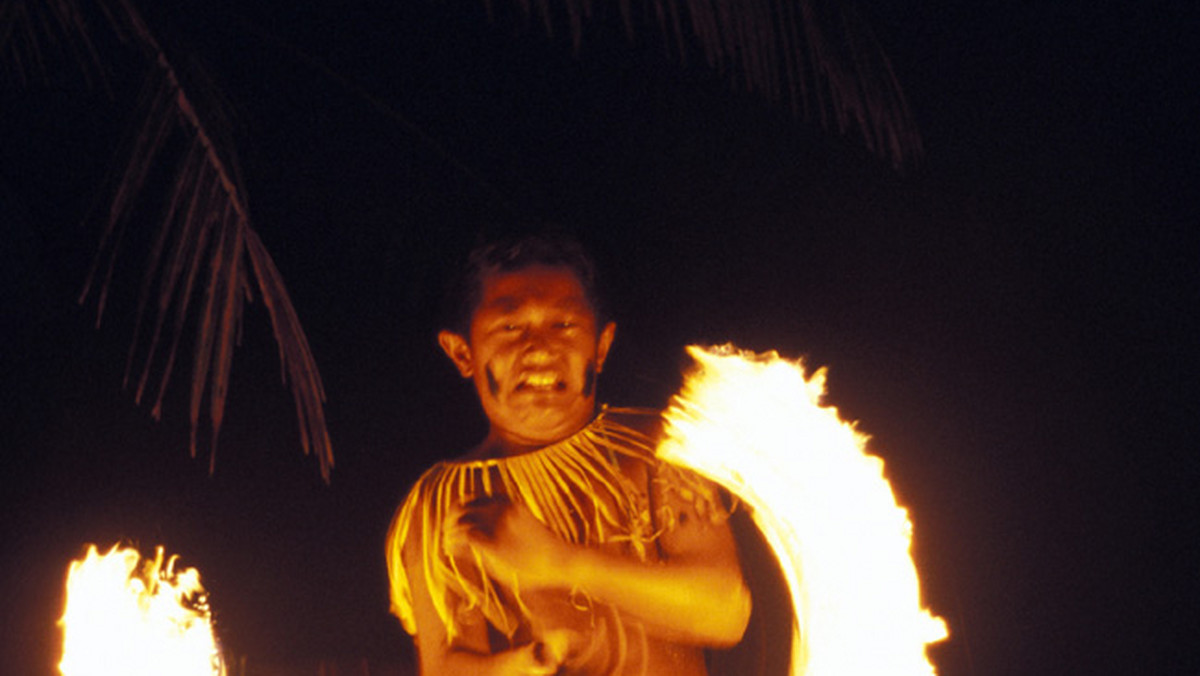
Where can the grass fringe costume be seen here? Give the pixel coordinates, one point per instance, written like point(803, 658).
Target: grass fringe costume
point(577, 488)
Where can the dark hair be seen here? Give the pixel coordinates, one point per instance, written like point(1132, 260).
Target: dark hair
point(510, 255)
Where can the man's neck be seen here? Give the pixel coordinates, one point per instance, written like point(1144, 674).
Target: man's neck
point(501, 443)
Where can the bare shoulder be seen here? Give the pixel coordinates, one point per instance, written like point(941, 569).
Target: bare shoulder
point(645, 421)
point(679, 495)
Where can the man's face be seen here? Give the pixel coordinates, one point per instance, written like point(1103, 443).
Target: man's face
point(533, 353)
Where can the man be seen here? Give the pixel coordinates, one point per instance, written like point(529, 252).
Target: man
point(559, 544)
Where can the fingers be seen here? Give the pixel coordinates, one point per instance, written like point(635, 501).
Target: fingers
point(456, 538)
point(473, 525)
point(557, 645)
point(545, 661)
point(506, 540)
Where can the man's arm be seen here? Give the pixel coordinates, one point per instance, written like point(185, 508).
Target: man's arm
point(694, 595)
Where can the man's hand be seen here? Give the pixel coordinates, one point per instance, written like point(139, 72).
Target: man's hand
point(514, 548)
point(693, 595)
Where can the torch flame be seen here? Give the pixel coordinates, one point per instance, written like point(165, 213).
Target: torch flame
point(122, 621)
point(754, 423)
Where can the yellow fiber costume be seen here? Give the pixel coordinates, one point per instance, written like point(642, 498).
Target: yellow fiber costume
point(596, 488)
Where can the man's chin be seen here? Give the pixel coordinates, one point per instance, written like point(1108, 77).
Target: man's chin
point(543, 394)
point(550, 416)
point(550, 400)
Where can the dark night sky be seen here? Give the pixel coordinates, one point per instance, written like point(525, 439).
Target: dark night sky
point(1013, 320)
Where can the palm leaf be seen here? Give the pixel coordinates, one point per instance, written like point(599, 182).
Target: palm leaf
point(205, 245)
point(31, 31)
point(817, 55)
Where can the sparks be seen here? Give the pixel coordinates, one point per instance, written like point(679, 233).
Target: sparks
point(755, 423)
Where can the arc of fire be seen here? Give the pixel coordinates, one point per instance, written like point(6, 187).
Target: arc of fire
point(756, 424)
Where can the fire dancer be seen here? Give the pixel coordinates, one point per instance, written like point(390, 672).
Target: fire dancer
point(559, 544)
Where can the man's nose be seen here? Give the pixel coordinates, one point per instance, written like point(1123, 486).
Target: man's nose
point(537, 356)
point(537, 349)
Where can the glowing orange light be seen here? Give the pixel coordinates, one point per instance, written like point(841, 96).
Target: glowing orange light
point(755, 424)
point(124, 620)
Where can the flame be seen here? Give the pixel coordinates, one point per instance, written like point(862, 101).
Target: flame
point(120, 620)
point(755, 424)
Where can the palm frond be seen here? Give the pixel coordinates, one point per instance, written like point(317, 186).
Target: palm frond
point(817, 55)
point(205, 244)
point(31, 31)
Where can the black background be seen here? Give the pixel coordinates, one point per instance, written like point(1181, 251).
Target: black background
point(1013, 319)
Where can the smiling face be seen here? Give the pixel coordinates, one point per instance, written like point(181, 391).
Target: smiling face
point(533, 352)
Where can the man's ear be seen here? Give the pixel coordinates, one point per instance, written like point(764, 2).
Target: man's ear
point(456, 347)
point(603, 343)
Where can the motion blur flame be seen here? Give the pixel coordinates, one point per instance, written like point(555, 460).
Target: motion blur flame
point(125, 620)
point(755, 424)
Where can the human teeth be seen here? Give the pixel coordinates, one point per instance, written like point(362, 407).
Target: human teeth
point(541, 380)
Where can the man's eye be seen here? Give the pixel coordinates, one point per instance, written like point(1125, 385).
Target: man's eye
point(565, 324)
point(510, 327)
